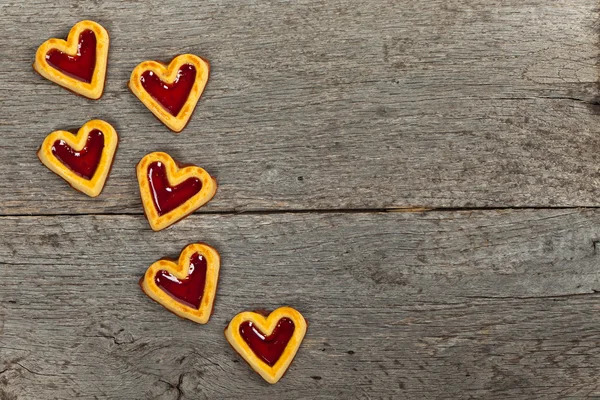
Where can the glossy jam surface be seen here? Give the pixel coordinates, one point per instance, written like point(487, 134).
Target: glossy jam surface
point(81, 65)
point(85, 161)
point(268, 348)
point(172, 96)
point(167, 198)
point(190, 290)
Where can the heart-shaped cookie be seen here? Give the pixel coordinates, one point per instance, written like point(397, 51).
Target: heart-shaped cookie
point(84, 159)
point(79, 63)
point(188, 287)
point(267, 343)
point(170, 193)
point(171, 92)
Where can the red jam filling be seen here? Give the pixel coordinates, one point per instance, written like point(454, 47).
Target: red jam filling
point(172, 96)
point(167, 198)
point(190, 290)
point(80, 66)
point(85, 161)
point(268, 348)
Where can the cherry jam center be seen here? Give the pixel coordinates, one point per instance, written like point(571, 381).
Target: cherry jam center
point(190, 290)
point(268, 348)
point(172, 96)
point(81, 65)
point(85, 161)
point(167, 198)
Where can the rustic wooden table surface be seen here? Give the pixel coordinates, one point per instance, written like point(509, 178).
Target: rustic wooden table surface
point(419, 178)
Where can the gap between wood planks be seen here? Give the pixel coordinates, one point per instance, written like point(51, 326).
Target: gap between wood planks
point(407, 209)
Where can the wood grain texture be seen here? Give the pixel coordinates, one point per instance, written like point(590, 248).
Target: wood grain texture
point(326, 104)
point(400, 305)
point(317, 105)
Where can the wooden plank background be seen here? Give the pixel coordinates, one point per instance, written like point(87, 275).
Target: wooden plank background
point(320, 118)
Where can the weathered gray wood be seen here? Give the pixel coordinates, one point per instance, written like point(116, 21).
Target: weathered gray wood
point(318, 105)
point(401, 305)
point(326, 104)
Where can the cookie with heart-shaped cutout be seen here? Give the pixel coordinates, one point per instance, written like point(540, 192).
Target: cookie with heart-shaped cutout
point(83, 159)
point(170, 192)
point(171, 92)
point(79, 63)
point(187, 287)
point(267, 343)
